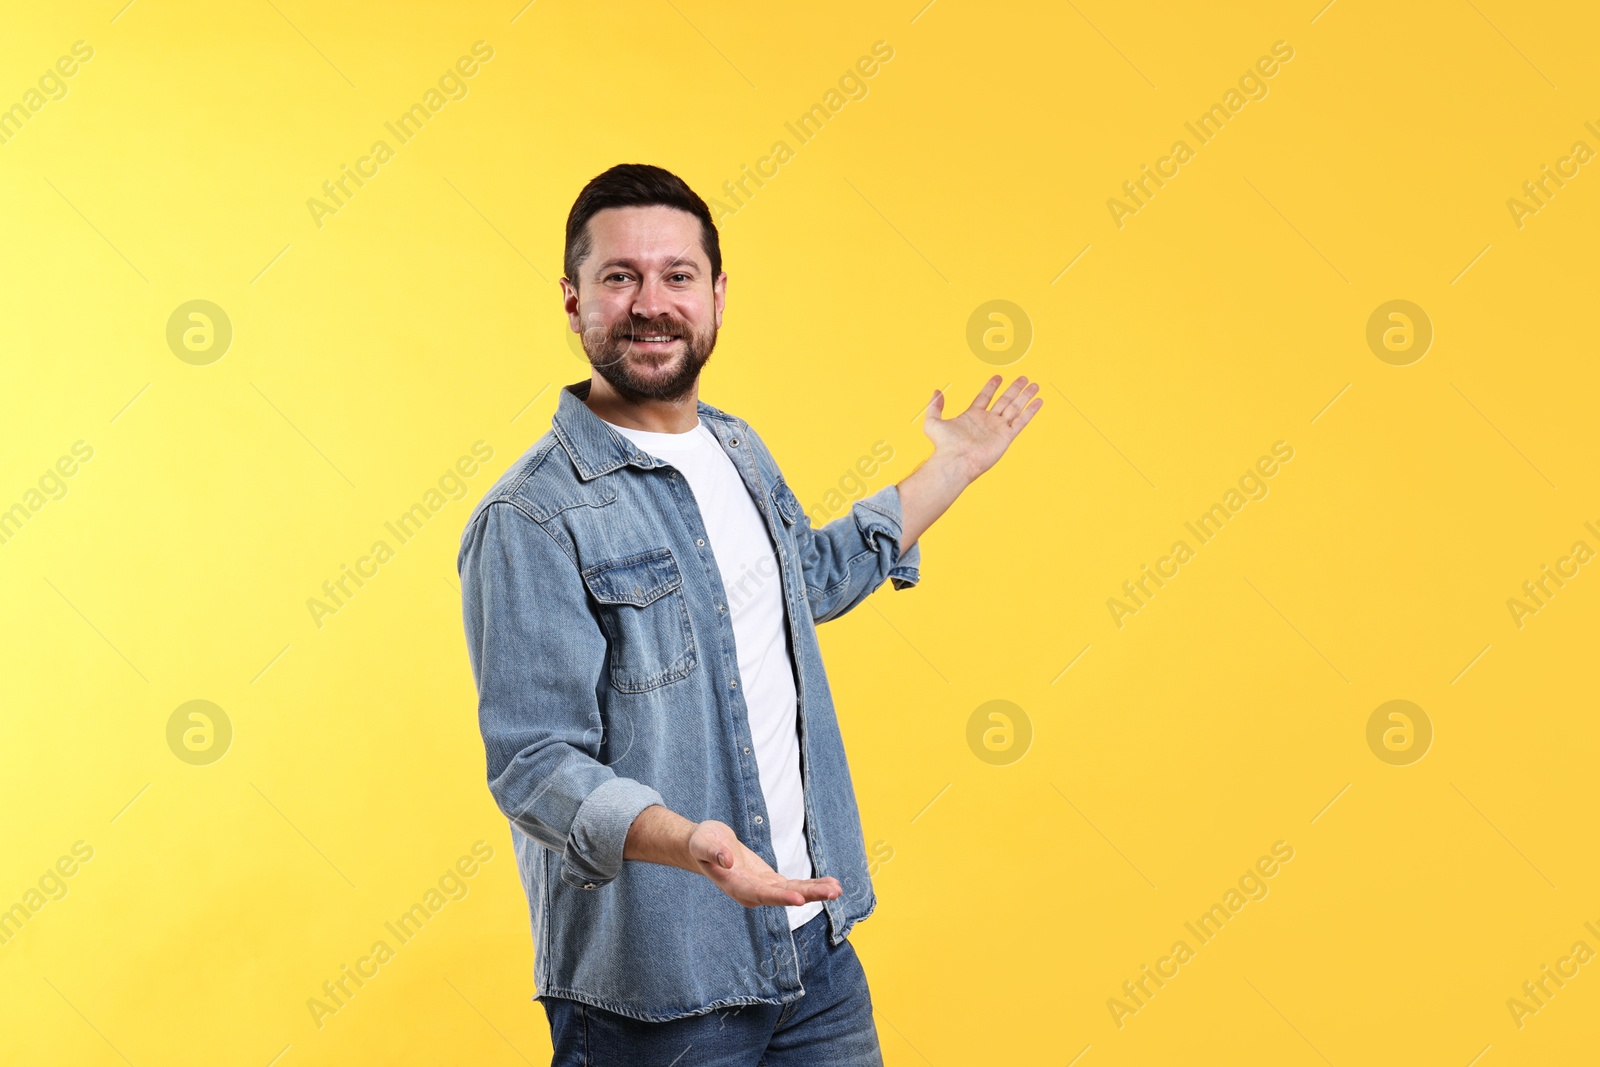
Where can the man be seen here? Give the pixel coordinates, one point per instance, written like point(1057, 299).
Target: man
point(641, 591)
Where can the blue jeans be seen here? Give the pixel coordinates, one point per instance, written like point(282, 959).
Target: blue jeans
point(831, 1024)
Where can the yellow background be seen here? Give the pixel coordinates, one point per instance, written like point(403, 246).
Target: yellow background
point(1228, 714)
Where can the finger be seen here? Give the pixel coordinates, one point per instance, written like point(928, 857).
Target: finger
point(1026, 416)
point(712, 846)
point(769, 894)
point(715, 861)
point(981, 401)
point(1009, 411)
point(741, 882)
point(817, 888)
point(703, 844)
point(1010, 394)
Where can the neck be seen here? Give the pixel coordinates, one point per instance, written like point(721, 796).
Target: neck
point(652, 416)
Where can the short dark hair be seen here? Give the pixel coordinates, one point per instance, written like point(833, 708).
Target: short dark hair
point(635, 185)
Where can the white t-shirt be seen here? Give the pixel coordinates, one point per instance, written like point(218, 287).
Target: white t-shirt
point(749, 569)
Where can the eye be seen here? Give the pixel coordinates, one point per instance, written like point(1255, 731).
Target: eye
point(685, 277)
point(616, 274)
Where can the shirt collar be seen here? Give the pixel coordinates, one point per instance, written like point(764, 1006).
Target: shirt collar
point(598, 449)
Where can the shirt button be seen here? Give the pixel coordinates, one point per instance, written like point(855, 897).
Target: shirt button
point(719, 607)
point(733, 442)
point(588, 885)
point(747, 750)
point(758, 820)
point(733, 685)
point(699, 540)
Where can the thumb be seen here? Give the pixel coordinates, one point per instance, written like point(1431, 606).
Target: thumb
point(722, 855)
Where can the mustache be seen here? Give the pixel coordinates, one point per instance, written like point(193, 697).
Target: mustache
point(627, 331)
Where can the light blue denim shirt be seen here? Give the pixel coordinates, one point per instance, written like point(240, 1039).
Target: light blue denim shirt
point(603, 652)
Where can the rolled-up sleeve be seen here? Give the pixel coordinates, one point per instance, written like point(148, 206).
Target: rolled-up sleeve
point(847, 559)
point(538, 659)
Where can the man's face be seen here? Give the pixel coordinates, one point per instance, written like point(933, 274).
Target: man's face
point(645, 302)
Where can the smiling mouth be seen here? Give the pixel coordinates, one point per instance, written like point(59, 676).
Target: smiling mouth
point(655, 340)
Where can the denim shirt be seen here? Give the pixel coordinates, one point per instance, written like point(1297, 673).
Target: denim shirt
point(603, 653)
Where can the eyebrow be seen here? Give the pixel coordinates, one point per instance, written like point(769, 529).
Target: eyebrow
point(624, 261)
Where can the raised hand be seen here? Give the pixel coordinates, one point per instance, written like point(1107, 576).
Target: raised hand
point(979, 436)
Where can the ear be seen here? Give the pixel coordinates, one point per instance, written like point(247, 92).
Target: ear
point(569, 303)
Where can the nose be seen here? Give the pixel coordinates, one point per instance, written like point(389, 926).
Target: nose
point(650, 300)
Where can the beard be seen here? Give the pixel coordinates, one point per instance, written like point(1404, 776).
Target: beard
point(640, 375)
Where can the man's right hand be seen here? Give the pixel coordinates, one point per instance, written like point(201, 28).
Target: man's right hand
point(722, 857)
point(711, 848)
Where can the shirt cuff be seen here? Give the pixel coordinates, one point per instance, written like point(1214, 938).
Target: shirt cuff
point(593, 855)
point(907, 569)
point(883, 508)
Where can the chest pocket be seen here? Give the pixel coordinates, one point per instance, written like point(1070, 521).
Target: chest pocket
point(646, 619)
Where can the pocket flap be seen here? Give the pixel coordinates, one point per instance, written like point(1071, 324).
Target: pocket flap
point(787, 503)
point(636, 580)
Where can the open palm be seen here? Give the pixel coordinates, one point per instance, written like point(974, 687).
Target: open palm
point(745, 876)
point(981, 434)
